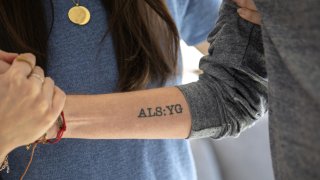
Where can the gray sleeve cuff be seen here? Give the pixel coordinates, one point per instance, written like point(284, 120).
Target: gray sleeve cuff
point(231, 94)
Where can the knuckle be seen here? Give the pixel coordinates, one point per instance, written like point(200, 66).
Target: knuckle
point(38, 69)
point(31, 88)
point(49, 80)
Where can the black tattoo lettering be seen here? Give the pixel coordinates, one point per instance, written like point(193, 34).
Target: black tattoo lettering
point(160, 111)
point(178, 108)
point(170, 108)
point(142, 114)
point(150, 112)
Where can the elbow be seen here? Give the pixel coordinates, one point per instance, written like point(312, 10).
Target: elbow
point(219, 109)
point(242, 116)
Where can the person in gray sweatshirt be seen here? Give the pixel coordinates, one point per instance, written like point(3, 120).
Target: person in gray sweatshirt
point(232, 91)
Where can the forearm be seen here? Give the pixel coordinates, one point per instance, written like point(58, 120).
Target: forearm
point(152, 114)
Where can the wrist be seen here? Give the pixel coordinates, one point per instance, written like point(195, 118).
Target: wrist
point(62, 128)
point(52, 132)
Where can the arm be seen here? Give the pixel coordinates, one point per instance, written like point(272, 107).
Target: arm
point(229, 96)
point(232, 92)
point(149, 114)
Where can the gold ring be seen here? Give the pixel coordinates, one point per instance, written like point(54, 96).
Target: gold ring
point(25, 60)
point(37, 76)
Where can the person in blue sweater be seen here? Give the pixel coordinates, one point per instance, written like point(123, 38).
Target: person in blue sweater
point(140, 51)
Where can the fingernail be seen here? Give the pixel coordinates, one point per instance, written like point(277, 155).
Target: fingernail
point(27, 55)
point(242, 11)
point(14, 54)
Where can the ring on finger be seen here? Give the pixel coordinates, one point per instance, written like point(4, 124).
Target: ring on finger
point(38, 77)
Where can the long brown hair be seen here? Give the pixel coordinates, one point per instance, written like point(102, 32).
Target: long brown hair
point(144, 34)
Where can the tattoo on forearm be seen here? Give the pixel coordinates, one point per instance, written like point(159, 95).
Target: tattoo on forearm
point(160, 111)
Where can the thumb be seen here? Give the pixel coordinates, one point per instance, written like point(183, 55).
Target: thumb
point(8, 57)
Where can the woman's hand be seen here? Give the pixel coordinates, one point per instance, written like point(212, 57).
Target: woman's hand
point(28, 107)
point(248, 11)
point(5, 60)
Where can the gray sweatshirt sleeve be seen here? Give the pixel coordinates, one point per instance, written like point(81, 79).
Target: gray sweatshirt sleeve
point(231, 94)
